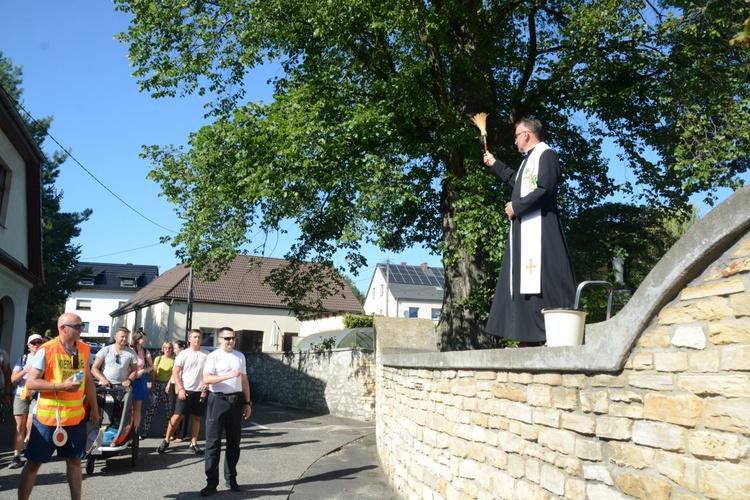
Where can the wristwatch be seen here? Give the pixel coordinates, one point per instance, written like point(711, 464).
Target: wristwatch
point(249, 403)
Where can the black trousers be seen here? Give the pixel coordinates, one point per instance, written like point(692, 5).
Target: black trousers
point(223, 417)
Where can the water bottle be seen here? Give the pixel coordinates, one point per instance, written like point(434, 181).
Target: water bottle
point(78, 377)
point(203, 397)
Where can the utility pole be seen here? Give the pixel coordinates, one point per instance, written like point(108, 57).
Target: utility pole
point(189, 315)
point(387, 283)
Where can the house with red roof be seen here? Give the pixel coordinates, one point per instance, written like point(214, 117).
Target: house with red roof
point(240, 298)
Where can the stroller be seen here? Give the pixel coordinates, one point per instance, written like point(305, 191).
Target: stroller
point(116, 432)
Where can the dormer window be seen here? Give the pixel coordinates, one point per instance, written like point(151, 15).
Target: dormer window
point(127, 282)
point(86, 281)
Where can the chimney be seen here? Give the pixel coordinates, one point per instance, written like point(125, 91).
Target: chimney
point(403, 263)
point(423, 265)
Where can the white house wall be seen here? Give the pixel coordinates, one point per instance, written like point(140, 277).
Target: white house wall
point(14, 290)
point(103, 302)
point(378, 294)
point(329, 324)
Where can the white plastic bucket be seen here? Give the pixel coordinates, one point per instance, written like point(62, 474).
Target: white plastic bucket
point(564, 326)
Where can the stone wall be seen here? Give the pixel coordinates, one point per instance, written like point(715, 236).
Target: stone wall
point(655, 404)
point(340, 382)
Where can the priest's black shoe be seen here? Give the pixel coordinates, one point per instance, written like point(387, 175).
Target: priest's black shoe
point(208, 491)
point(232, 485)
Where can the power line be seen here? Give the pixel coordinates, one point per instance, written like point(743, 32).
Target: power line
point(84, 259)
point(20, 106)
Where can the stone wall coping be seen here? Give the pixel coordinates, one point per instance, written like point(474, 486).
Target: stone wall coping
point(608, 343)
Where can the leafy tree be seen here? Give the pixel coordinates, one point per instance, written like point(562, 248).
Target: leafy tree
point(368, 138)
point(59, 255)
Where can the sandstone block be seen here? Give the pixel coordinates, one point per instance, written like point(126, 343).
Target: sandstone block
point(679, 468)
point(725, 480)
point(602, 492)
point(625, 396)
point(614, 428)
point(540, 395)
point(519, 411)
point(557, 440)
point(507, 391)
point(574, 380)
point(575, 488)
point(671, 361)
point(740, 304)
point(715, 385)
point(655, 338)
point(712, 309)
point(595, 401)
point(659, 435)
point(564, 398)
point(547, 378)
point(589, 449)
point(644, 487)
point(736, 267)
point(736, 358)
point(643, 361)
point(704, 361)
point(597, 473)
point(723, 287)
point(655, 381)
point(731, 415)
point(682, 410)
point(520, 378)
point(547, 417)
point(533, 470)
point(736, 332)
point(742, 249)
point(552, 479)
point(692, 337)
point(627, 411)
point(582, 424)
point(607, 381)
point(627, 454)
point(714, 445)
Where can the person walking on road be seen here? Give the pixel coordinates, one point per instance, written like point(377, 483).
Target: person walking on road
point(163, 366)
point(188, 381)
point(119, 361)
point(24, 401)
point(228, 402)
point(60, 407)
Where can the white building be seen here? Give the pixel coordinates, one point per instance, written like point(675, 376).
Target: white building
point(21, 163)
point(104, 288)
point(399, 290)
point(240, 299)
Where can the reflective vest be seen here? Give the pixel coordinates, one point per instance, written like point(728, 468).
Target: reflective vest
point(58, 367)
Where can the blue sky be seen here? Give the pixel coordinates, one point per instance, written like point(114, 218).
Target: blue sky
point(74, 71)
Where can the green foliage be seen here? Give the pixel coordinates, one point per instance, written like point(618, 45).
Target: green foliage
point(358, 320)
point(59, 255)
point(326, 344)
point(367, 139)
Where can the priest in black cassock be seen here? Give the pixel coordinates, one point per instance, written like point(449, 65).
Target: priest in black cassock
point(536, 272)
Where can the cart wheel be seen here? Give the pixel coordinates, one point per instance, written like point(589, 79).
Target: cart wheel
point(134, 457)
point(89, 466)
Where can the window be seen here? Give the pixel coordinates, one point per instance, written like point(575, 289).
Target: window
point(83, 304)
point(382, 290)
point(208, 336)
point(85, 327)
point(4, 185)
point(127, 282)
point(86, 281)
point(435, 313)
point(413, 312)
point(249, 341)
point(121, 303)
point(373, 292)
point(288, 342)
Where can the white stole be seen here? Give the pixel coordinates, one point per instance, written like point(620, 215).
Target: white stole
point(531, 228)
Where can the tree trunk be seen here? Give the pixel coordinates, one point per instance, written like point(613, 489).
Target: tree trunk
point(460, 328)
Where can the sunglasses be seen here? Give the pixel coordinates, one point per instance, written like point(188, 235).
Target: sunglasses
point(75, 326)
point(228, 339)
point(117, 359)
point(36, 342)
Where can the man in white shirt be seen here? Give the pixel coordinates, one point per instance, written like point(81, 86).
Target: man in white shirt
point(188, 382)
point(228, 402)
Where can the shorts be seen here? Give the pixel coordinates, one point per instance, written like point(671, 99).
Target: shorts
point(191, 406)
point(140, 389)
point(21, 406)
point(41, 448)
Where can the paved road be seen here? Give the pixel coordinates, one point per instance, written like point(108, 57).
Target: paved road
point(286, 453)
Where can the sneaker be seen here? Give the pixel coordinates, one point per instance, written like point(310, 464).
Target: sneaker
point(232, 485)
point(195, 449)
point(16, 462)
point(162, 447)
point(208, 491)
